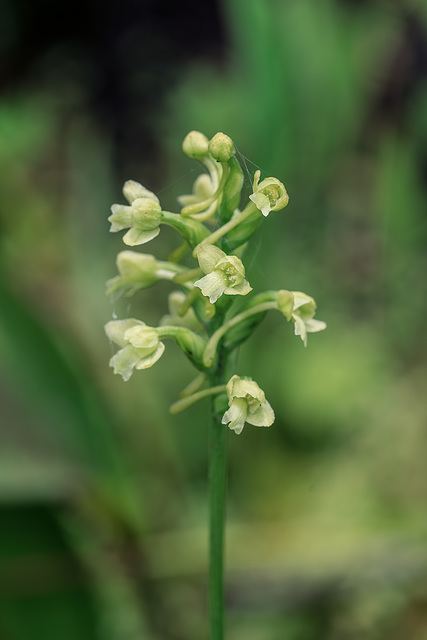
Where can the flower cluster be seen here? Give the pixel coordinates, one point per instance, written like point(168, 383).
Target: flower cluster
point(202, 317)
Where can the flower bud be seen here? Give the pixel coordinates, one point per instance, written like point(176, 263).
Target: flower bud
point(221, 147)
point(195, 145)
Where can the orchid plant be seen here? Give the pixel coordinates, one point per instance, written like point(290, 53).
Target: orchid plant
point(203, 317)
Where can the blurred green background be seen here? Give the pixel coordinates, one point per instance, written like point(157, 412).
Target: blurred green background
point(102, 493)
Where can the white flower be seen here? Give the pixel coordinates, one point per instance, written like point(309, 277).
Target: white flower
point(224, 274)
point(247, 404)
point(138, 271)
point(300, 309)
point(269, 195)
point(142, 217)
point(140, 346)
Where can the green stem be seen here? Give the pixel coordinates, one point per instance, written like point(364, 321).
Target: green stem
point(217, 491)
point(186, 402)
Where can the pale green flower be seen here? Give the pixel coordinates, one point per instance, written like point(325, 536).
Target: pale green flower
point(247, 403)
point(142, 216)
point(140, 346)
point(269, 195)
point(138, 271)
point(300, 308)
point(224, 274)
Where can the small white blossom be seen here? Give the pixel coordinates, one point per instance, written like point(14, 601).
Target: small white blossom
point(269, 195)
point(142, 216)
point(224, 274)
point(247, 404)
point(300, 308)
point(139, 344)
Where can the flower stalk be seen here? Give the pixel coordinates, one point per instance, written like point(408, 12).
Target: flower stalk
point(204, 316)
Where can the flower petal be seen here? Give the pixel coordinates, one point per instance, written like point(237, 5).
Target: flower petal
point(243, 388)
point(212, 285)
point(208, 256)
point(261, 202)
point(116, 329)
point(301, 299)
point(239, 289)
point(285, 302)
point(312, 325)
point(124, 361)
point(142, 337)
point(149, 360)
point(121, 217)
point(263, 416)
point(137, 236)
point(300, 329)
point(236, 415)
point(133, 190)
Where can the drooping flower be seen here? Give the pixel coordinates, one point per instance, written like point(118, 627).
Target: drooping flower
point(300, 308)
point(139, 344)
point(269, 195)
point(142, 216)
point(247, 403)
point(224, 274)
point(139, 271)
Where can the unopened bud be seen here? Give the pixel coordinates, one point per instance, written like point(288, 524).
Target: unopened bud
point(195, 145)
point(221, 147)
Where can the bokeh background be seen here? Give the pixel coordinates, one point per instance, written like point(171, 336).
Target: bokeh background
point(102, 492)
